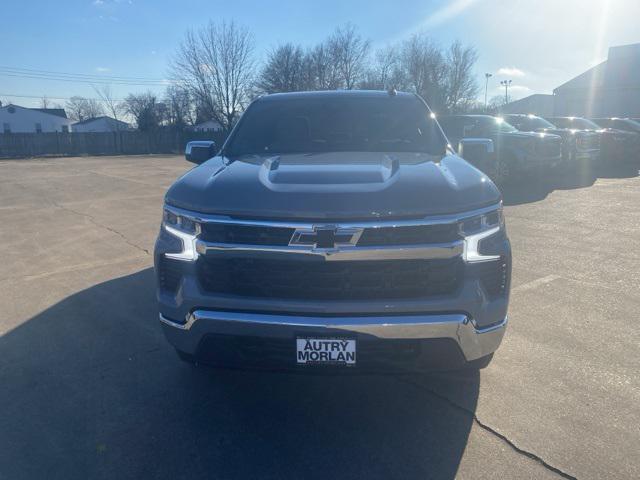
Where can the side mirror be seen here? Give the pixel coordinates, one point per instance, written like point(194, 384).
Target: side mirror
point(199, 151)
point(475, 150)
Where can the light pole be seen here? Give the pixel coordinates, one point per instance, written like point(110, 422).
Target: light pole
point(506, 84)
point(487, 76)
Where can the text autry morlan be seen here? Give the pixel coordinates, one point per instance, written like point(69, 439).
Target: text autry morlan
point(332, 350)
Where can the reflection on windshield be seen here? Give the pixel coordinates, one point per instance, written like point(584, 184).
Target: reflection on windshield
point(537, 122)
point(501, 125)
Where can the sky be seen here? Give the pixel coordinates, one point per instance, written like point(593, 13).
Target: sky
point(538, 44)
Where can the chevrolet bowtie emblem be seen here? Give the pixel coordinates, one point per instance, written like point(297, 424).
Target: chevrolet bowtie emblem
point(326, 237)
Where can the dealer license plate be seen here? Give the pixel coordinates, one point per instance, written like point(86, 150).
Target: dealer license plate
point(331, 351)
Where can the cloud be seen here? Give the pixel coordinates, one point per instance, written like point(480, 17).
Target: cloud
point(514, 88)
point(446, 13)
point(97, 3)
point(511, 72)
point(103, 69)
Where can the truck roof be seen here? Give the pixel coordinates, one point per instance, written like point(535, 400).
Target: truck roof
point(333, 94)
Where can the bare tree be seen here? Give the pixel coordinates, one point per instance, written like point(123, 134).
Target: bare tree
point(348, 52)
point(44, 102)
point(215, 64)
point(80, 108)
point(320, 69)
point(495, 104)
point(284, 70)
point(114, 107)
point(473, 107)
point(460, 84)
point(423, 69)
point(144, 109)
point(179, 109)
point(75, 108)
point(383, 73)
point(443, 78)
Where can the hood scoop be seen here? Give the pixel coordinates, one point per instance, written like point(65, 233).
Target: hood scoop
point(317, 172)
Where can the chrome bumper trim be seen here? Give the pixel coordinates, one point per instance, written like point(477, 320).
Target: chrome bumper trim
point(473, 341)
point(432, 251)
point(180, 326)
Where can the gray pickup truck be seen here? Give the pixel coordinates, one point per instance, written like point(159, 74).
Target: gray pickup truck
point(501, 150)
point(334, 231)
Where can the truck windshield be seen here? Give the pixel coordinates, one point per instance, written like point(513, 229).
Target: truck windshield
point(536, 122)
point(325, 124)
point(499, 124)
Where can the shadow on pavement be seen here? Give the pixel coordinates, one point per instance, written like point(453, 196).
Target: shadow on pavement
point(526, 191)
point(90, 389)
point(625, 170)
point(536, 188)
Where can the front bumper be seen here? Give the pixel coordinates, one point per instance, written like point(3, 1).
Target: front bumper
point(412, 338)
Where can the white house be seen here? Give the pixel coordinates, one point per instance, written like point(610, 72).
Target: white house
point(100, 124)
point(15, 119)
point(208, 126)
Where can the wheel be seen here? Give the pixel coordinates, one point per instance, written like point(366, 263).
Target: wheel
point(187, 357)
point(479, 363)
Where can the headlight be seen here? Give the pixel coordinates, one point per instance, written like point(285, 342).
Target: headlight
point(184, 228)
point(477, 228)
point(180, 222)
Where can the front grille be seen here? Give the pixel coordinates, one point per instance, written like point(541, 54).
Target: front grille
point(548, 147)
point(410, 235)
point(588, 141)
point(319, 280)
point(169, 274)
point(246, 234)
point(374, 236)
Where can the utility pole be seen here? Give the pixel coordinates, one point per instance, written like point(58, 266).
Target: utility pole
point(487, 76)
point(506, 84)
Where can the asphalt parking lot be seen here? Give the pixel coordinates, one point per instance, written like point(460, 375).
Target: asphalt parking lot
point(90, 389)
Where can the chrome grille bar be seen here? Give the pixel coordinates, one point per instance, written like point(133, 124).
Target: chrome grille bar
point(431, 220)
point(432, 251)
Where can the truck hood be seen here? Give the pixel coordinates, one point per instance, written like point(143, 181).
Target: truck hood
point(340, 185)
